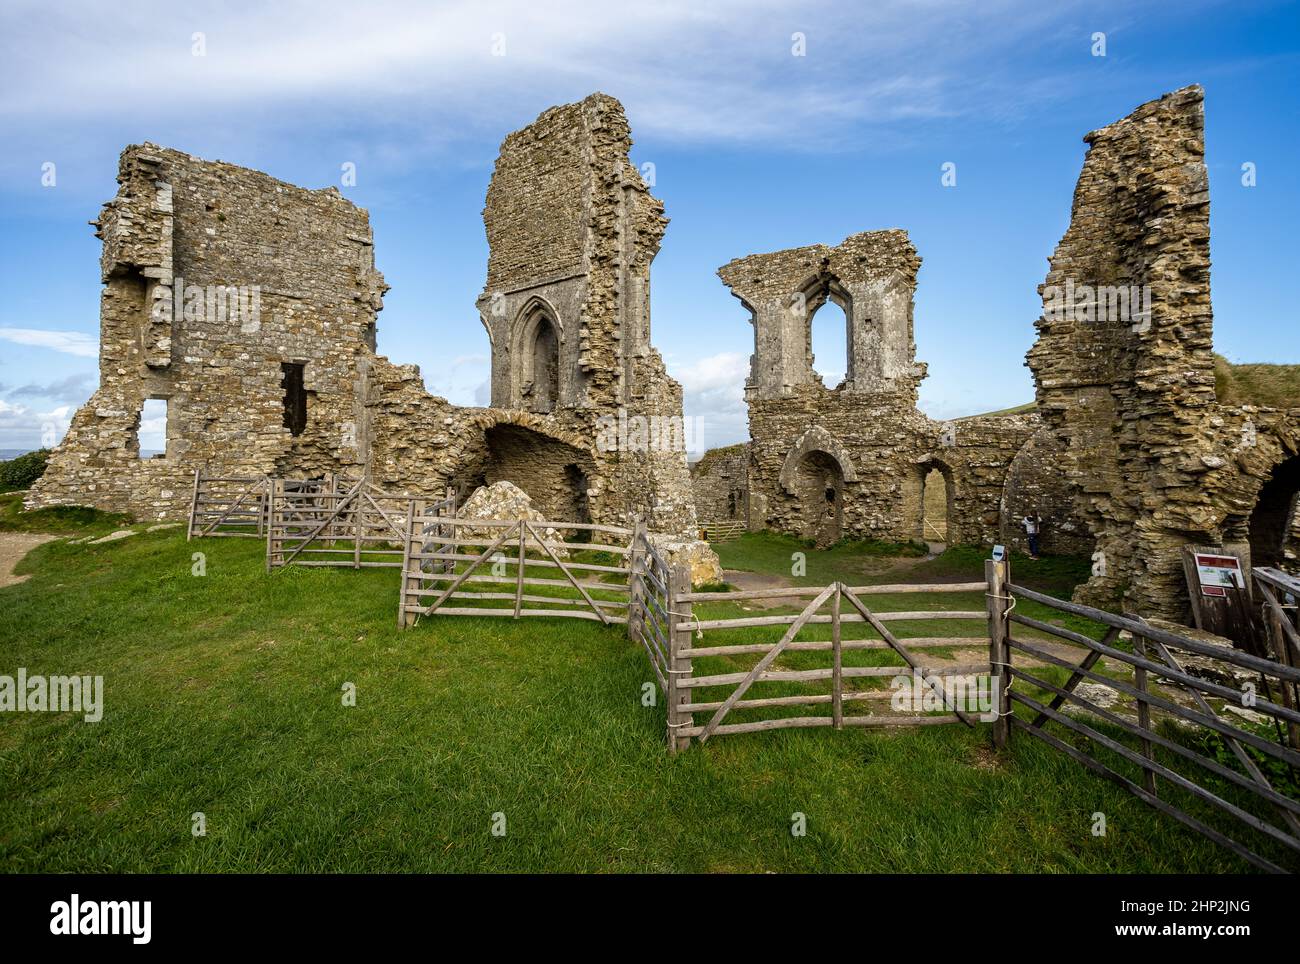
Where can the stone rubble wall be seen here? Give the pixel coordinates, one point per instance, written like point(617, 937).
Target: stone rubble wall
point(1153, 462)
point(858, 452)
point(871, 275)
point(720, 484)
point(178, 220)
point(1034, 486)
point(590, 273)
point(567, 216)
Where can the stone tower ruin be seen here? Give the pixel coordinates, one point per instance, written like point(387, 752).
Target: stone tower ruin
point(1124, 371)
point(249, 306)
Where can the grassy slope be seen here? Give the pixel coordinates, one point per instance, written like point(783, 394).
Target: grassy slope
point(1274, 386)
point(223, 696)
point(61, 520)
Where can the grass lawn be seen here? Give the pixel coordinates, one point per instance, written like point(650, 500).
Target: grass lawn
point(223, 695)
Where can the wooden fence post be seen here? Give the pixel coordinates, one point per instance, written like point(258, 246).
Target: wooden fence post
point(998, 577)
point(837, 670)
point(679, 667)
point(273, 520)
point(194, 506)
point(635, 583)
point(414, 544)
point(448, 531)
point(358, 528)
point(262, 503)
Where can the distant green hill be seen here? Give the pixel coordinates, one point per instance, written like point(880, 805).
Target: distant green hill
point(1258, 383)
point(1024, 409)
point(1271, 386)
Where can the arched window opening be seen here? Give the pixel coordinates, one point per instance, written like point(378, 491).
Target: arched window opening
point(539, 388)
point(828, 343)
point(828, 311)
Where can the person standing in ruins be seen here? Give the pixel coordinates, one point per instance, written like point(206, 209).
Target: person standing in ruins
point(1033, 525)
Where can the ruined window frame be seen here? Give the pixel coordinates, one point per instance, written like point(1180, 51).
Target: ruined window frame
point(816, 293)
point(295, 402)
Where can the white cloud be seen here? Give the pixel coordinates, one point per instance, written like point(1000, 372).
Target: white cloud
point(69, 342)
point(722, 71)
point(24, 428)
point(73, 389)
point(713, 390)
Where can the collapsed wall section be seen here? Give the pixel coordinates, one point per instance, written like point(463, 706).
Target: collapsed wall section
point(225, 292)
point(855, 460)
point(1124, 368)
point(720, 485)
point(572, 230)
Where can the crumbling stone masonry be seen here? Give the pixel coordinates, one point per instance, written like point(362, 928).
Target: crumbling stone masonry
point(250, 306)
point(720, 484)
point(852, 461)
point(1153, 461)
point(573, 230)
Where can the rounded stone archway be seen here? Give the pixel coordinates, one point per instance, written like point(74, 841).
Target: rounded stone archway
point(1273, 521)
point(556, 471)
point(819, 486)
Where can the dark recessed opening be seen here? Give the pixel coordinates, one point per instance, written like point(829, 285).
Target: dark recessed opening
point(295, 397)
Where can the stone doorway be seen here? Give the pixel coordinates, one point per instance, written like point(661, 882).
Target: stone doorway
point(819, 487)
point(1273, 521)
point(936, 508)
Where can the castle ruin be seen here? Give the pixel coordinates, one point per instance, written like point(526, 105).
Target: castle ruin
point(1127, 454)
point(249, 305)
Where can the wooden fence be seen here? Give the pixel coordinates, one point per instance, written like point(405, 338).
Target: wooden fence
point(1278, 595)
point(835, 686)
point(723, 531)
point(1176, 767)
point(223, 506)
point(474, 564)
point(338, 521)
point(652, 582)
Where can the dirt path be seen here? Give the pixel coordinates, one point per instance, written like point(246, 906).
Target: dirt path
point(13, 546)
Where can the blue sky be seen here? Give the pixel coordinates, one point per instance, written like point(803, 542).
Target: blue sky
point(753, 149)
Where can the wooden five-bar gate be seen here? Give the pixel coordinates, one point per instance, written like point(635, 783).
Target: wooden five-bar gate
point(702, 678)
point(468, 567)
point(228, 506)
point(1230, 735)
point(337, 522)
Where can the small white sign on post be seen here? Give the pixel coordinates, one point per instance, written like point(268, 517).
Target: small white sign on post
point(1217, 574)
point(999, 553)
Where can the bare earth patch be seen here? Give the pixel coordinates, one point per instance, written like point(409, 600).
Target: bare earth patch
point(13, 546)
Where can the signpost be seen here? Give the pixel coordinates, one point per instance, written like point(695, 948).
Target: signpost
point(1219, 592)
point(1218, 573)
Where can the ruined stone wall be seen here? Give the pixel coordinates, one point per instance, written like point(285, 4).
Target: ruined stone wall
point(1034, 485)
point(981, 452)
point(178, 237)
point(572, 231)
point(1154, 463)
point(871, 276)
point(720, 484)
point(850, 461)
